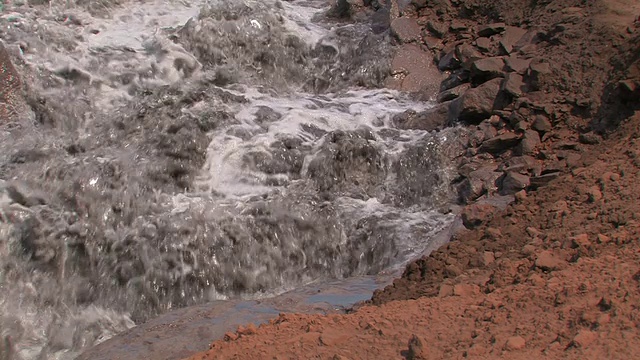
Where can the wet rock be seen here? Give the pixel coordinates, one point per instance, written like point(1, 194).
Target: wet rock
point(265, 114)
point(517, 65)
point(478, 103)
point(500, 143)
point(435, 118)
point(449, 61)
point(456, 79)
point(486, 69)
point(513, 84)
point(510, 38)
point(529, 143)
point(491, 29)
point(513, 182)
point(452, 94)
point(406, 29)
point(12, 102)
point(477, 214)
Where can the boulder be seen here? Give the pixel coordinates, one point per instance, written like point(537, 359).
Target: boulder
point(516, 64)
point(529, 142)
point(477, 214)
point(477, 183)
point(538, 74)
point(483, 44)
point(491, 29)
point(513, 85)
point(541, 124)
point(467, 55)
point(452, 94)
point(406, 29)
point(483, 70)
point(477, 103)
point(436, 28)
point(510, 38)
point(432, 119)
point(456, 78)
point(449, 61)
point(513, 182)
point(500, 143)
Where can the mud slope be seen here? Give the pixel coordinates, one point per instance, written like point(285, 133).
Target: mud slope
point(557, 273)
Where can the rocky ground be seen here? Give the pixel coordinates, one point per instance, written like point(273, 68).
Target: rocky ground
point(552, 89)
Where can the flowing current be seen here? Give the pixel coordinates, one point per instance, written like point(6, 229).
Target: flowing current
point(182, 152)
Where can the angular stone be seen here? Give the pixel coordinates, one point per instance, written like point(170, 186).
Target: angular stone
point(514, 85)
point(500, 143)
point(478, 103)
point(486, 69)
point(510, 37)
point(477, 214)
point(452, 94)
point(491, 29)
point(416, 71)
point(435, 118)
point(547, 261)
point(467, 54)
point(518, 65)
point(538, 74)
point(515, 343)
point(449, 61)
point(529, 142)
point(406, 29)
point(541, 124)
point(477, 183)
point(456, 78)
point(436, 28)
point(483, 43)
point(542, 180)
point(514, 182)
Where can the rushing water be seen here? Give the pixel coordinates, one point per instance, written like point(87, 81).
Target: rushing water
point(185, 152)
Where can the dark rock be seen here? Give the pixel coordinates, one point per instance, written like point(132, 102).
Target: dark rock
point(457, 26)
point(417, 349)
point(491, 29)
point(513, 182)
point(486, 69)
point(530, 141)
point(433, 43)
point(513, 85)
point(477, 183)
point(484, 44)
point(436, 28)
point(518, 65)
point(542, 180)
point(538, 74)
point(452, 94)
point(380, 20)
point(477, 103)
point(488, 129)
point(500, 143)
point(406, 29)
point(467, 54)
point(449, 61)
point(511, 37)
point(541, 124)
point(456, 79)
point(477, 214)
point(435, 118)
point(590, 138)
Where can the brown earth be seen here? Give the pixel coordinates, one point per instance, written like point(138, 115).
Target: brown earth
point(553, 89)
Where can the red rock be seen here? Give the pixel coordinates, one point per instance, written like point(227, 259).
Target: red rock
point(584, 338)
point(547, 261)
point(406, 29)
point(465, 290)
point(477, 214)
point(581, 240)
point(515, 343)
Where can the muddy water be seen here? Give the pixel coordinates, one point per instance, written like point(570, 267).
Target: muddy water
point(187, 153)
